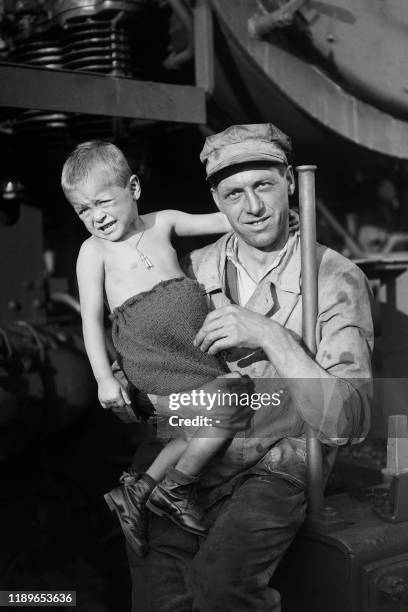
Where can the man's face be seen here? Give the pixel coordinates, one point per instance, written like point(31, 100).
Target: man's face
point(256, 203)
point(107, 210)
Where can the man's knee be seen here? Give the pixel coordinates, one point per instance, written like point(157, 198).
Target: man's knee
point(251, 533)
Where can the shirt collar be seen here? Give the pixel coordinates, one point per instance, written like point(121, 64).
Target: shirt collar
point(233, 255)
point(286, 274)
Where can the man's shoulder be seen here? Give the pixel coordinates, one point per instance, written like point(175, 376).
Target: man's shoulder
point(332, 263)
point(338, 277)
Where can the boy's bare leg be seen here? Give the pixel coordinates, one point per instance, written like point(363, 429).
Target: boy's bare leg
point(167, 458)
point(201, 448)
point(174, 495)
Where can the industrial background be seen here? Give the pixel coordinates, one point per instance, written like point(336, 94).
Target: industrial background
point(156, 77)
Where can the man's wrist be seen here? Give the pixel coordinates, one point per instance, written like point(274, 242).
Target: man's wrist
point(267, 335)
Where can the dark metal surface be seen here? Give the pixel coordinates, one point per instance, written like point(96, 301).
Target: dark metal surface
point(349, 570)
point(176, 59)
point(27, 87)
point(22, 276)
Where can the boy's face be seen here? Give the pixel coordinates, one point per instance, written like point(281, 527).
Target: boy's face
point(107, 210)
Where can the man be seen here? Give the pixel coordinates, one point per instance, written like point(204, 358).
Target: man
point(254, 491)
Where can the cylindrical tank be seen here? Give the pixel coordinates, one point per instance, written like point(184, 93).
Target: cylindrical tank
point(337, 66)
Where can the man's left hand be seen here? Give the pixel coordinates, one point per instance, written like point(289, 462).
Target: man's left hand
point(232, 327)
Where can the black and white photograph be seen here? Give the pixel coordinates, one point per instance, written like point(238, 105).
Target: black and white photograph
point(204, 305)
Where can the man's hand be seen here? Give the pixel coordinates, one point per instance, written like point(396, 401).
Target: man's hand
point(112, 394)
point(232, 327)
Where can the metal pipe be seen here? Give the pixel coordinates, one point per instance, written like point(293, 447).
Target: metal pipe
point(355, 249)
point(262, 25)
point(307, 209)
point(65, 298)
point(36, 337)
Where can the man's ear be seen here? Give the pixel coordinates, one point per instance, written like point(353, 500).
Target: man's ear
point(215, 197)
point(290, 180)
point(135, 187)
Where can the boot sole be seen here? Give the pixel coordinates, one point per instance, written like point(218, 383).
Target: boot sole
point(162, 513)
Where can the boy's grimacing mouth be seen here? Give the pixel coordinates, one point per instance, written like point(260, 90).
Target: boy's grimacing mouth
point(106, 227)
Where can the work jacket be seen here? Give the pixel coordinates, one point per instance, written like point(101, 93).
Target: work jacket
point(337, 408)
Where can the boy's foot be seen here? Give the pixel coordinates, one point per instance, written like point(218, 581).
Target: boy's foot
point(177, 502)
point(129, 502)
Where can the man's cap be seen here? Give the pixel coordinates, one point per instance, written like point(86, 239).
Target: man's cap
point(245, 143)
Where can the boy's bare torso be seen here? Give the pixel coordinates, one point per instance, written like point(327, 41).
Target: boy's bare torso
point(125, 273)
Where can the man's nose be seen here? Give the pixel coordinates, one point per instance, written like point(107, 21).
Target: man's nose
point(255, 204)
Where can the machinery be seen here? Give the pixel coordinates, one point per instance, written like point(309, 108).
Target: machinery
point(155, 76)
point(306, 62)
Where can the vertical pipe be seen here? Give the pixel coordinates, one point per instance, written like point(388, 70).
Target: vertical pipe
point(307, 209)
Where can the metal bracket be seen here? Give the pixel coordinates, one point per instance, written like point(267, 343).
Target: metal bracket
point(259, 26)
point(395, 509)
point(328, 520)
point(97, 94)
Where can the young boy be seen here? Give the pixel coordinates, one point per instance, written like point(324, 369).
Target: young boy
point(156, 312)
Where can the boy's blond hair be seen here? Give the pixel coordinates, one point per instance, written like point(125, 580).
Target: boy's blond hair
point(89, 155)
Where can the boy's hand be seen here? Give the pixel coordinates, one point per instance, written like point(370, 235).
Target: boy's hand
point(111, 394)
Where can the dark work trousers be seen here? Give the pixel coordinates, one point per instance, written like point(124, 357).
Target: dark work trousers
point(231, 568)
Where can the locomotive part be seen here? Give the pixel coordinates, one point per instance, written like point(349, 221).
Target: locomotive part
point(98, 46)
point(315, 76)
point(43, 49)
point(66, 10)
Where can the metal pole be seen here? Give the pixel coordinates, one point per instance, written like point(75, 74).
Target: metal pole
point(351, 243)
point(307, 208)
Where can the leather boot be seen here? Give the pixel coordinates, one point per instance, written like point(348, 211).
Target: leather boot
point(177, 501)
point(129, 503)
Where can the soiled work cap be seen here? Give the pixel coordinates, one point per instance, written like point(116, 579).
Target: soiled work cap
point(245, 143)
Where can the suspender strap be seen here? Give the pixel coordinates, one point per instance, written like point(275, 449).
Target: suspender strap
point(231, 282)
